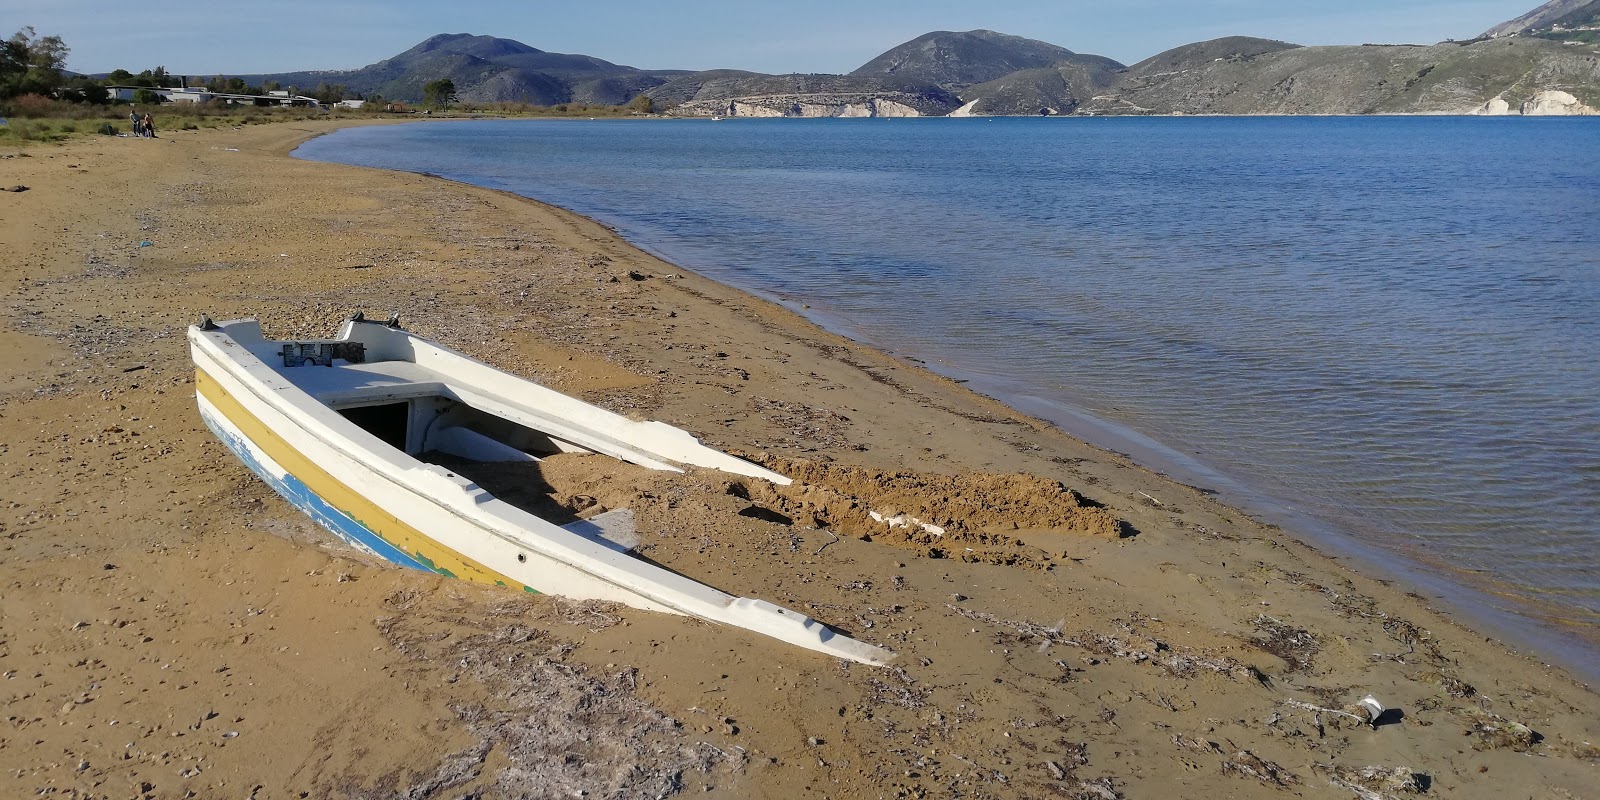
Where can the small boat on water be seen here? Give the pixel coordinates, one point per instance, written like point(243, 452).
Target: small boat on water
point(337, 426)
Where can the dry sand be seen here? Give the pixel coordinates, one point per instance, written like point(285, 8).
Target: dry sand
point(170, 628)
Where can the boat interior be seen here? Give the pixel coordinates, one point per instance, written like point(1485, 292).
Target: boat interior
point(416, 411)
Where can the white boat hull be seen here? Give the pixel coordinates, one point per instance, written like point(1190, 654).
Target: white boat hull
point(387, 503)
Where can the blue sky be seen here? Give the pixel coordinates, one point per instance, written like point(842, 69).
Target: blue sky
point(235, 37)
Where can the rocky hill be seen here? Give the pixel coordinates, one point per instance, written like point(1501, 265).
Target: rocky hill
point(487, 69)
point(1047, 91)
point(918, 78)
point(1261, 77)
point(1067, 86)
point(1556, 16)
point(956, 60)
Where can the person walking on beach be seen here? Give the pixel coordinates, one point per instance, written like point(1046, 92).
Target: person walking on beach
point(133, 116)
point(149, 125)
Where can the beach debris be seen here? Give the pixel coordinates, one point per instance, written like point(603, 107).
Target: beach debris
point(1372, 707)
point(1246, 764)
point(1372, 782)
point(1451, 685)
point(567, 730)
point(906, 695)
point(17, 188)
point(1366, 711)
point(1179, 662)
point(1095, 789)
point(1294, 645)
point(1065, 767)
point(905, 521)
point(824, 546)
point(1491, 731)
point(1196, 744)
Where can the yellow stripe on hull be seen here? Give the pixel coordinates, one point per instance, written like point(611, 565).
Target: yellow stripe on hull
point(358, 506)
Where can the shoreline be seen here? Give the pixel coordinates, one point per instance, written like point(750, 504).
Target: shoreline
point(984, 687)
point(1466, 596)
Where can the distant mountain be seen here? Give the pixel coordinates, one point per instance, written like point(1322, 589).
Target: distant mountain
point(987, 73)
point(1254, 76)
point(955, 60)
point(486, 69)
point(1230, 49)
point(1566, 14)
point(919, 78)
point(1048, 91)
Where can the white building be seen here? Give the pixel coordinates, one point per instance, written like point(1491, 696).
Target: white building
point(199, 95)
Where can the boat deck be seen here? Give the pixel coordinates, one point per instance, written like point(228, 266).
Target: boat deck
point(375, 381)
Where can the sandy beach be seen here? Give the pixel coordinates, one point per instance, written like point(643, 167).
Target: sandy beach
point(170, 628)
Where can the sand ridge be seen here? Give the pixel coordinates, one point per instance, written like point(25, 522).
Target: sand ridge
point(170, 627)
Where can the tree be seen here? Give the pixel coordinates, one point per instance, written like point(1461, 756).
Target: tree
point(328, 94)
point(439, 93)
point(155, 78)
point(30, 63)
point(642, 104)
point(84, 89)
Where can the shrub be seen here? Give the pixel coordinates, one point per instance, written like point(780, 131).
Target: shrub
point(35, 106)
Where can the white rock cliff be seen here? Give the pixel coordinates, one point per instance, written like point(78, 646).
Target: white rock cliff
point(1547, 103)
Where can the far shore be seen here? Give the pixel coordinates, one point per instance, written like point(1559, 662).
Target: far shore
point(172, 626)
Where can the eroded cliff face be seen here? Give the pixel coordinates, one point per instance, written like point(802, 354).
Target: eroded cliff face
point(1556, 103)
point(1548, 103)
point(814, 106)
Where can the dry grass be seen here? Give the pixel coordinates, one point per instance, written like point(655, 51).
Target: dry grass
point(35, 119)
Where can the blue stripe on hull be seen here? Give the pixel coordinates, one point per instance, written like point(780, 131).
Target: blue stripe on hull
point(300, 496)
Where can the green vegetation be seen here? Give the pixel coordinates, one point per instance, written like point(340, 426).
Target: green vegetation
point(31, 64)
point(440, 93)
point(558, 110)
point(1586, 35)
point(35, 118)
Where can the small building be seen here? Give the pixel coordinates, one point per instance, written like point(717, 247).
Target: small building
point(173, 94)
point(188, 95)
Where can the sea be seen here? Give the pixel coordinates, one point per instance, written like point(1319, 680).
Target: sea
point(1380, 332)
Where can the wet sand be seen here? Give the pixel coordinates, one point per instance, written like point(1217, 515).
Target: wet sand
point(169, 626)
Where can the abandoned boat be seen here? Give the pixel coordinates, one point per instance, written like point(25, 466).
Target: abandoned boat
point(336, 427)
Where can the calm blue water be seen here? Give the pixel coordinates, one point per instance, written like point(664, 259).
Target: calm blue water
point(1387, 328)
